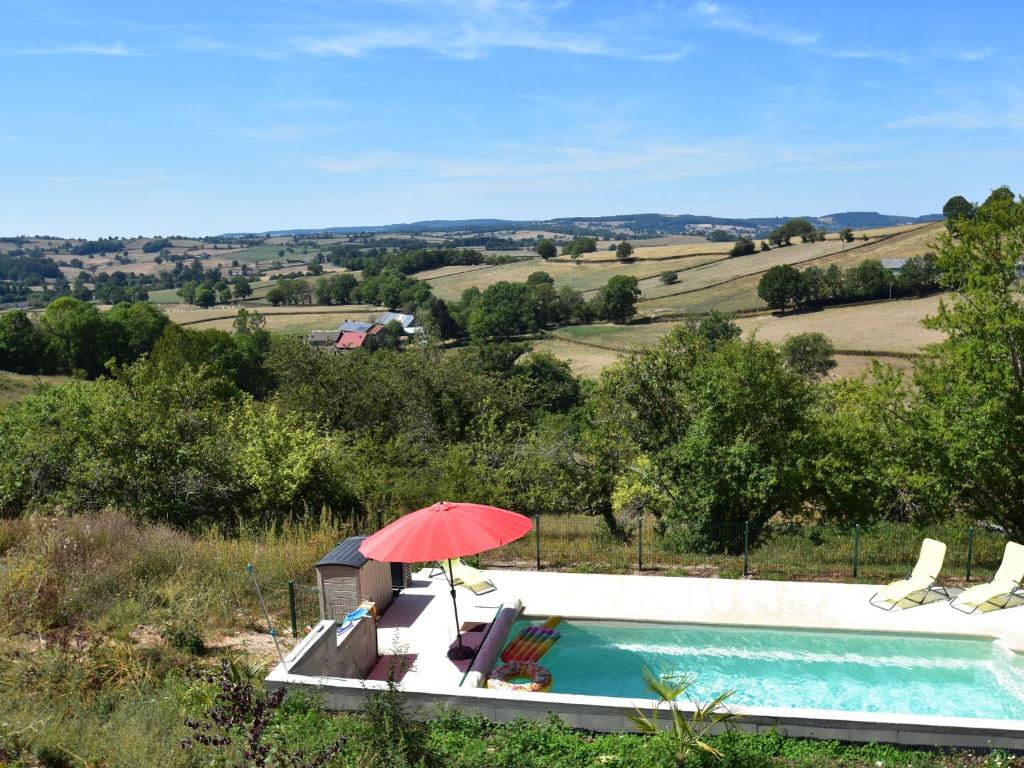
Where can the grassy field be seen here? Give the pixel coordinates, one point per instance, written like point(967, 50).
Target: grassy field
point(888, 328)
point(892, 326)
point(258, 253)
point(731, 285)
point(584, 277)
point(279, 319)
point(14, 386)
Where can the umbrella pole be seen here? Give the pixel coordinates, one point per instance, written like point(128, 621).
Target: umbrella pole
point(459, 652)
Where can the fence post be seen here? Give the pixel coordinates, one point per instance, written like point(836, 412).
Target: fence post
point(970, 552)
point(640, 543)
point(536, 530)
point(291, 608)
point(856, 550)
point(746, 548)
point(380, 520)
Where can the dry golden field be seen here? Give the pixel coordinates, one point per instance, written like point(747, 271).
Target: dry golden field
point(14, 386)
point(279, 319)
point(730, 285)
point(889, 329)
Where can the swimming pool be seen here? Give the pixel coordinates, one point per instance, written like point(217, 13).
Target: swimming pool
point(858, 672)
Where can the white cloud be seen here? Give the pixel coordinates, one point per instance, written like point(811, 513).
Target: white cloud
point(80, 49)
point(473, 42)
point(976, 54)
point(471, 30)
point(725, 17)
point(896, 57)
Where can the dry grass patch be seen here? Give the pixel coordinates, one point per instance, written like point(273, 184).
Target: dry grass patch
point(278, 319)
point(891, 326)
point(14, 386)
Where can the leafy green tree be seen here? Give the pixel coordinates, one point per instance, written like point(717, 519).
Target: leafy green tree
point(846, 235)
point(720, 236)
point(223, 291)
point(810, 354)
point(550, 380)
point(956, 208)
point(335, 289)
point(780, 286)
point(504, 310)
point(624, 251)
point(616, 300)
point(999, 195)
point(187, 291)
point(717, 328)
point(919, 276)
point(725, 431)
point(205, 297)
point(137, 327)
point(868, 280)
point(21, 343)
point(580, 245)
point(816, 287)
point(241, 288)
point(783, 234)
point(77, 338)
point(546, 248)
point(744, 247)
point(971, 393)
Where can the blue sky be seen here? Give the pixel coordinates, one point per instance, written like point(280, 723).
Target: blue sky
point(149, 117)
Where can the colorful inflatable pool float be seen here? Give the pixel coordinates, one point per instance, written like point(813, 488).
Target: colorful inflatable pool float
point(539, 677)
point(532, 642)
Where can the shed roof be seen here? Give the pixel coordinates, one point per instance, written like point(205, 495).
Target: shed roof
point(355, 325)
point(351, 340)
point(324, 336)
point(404, 320)
point(346, 553)
point(894, 263)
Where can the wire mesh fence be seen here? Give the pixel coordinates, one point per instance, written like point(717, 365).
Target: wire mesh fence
point(799, 551)
point(792, 551)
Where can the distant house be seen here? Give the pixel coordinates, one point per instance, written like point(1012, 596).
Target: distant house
point(323, 339)
point(354, 325)
point(894, 265)
point(350, 340)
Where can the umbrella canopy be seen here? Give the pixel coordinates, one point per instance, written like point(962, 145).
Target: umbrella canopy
point(441, 532)
point(444, 530)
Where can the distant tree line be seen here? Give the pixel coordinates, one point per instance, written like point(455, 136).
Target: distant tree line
point(406, 261)
point(785, 286)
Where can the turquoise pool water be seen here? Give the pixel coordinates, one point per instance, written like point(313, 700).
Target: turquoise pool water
point(861, 672)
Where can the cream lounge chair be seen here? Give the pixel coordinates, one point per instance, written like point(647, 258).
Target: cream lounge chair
point(465, 576)
point(1005, 585)
point(921, 581)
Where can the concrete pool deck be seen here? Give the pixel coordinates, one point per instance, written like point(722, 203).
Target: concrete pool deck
point(413, 635)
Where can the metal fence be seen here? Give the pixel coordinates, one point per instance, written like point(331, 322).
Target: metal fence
point(733, 550)
point(793, 551)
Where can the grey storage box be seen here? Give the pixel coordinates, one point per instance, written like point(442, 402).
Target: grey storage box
point(346, 578)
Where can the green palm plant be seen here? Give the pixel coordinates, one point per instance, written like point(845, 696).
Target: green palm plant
point(689, 730)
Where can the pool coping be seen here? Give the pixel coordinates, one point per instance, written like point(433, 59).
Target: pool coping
point(610, 714)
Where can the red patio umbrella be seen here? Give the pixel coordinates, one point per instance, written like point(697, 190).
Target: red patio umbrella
point(444, 531)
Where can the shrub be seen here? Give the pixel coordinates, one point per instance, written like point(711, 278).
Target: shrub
point(743, 247)
point(668, 277)
point(185, 636)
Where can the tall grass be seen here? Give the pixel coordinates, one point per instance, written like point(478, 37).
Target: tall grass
point(112, 571)
point(802, 552)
